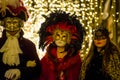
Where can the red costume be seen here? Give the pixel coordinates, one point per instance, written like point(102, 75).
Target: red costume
point(51, 67)
point(64, 33)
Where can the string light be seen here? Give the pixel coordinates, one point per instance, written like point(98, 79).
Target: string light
point(45, 7)
point(89, 13)
point(83, 9)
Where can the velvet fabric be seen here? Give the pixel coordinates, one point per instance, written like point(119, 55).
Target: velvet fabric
point(29, 53)
point(52, 66)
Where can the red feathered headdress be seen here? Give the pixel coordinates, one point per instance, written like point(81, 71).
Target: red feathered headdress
point(63, 21)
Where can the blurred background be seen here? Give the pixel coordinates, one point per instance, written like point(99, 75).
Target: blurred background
point(91, 13)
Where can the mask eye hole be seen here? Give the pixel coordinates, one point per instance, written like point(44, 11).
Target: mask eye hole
point(99, 37)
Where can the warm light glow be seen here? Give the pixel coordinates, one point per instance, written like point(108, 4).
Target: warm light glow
point(85, 13)
point(87, 10)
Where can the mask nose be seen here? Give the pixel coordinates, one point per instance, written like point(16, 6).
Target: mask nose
point(12, 27)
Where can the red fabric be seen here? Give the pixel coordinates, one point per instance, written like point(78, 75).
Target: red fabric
point(62, 26)
point(18, 10)
point(69, 65)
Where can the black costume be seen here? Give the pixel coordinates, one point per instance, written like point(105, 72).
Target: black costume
point(103, 64)
point(95, 71)
point(29, 53)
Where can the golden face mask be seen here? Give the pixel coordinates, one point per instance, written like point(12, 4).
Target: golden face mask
point(12, 24)
point(61, 38)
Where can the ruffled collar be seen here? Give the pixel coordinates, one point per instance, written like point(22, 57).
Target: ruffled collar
point(64, 63)
point(11, 50)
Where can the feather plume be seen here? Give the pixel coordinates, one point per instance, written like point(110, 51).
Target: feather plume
point(14, 3)
point(106, 10)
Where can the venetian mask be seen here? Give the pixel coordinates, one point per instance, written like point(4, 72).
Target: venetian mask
point(100, 39)
point(99, 35)
point(12, 24)
point(61, 37)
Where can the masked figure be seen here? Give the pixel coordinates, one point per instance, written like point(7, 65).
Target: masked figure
point(61, 35)
point(18, 56)
point(103, 60)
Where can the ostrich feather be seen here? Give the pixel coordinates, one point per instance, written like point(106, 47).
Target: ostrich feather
point(106, 10)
